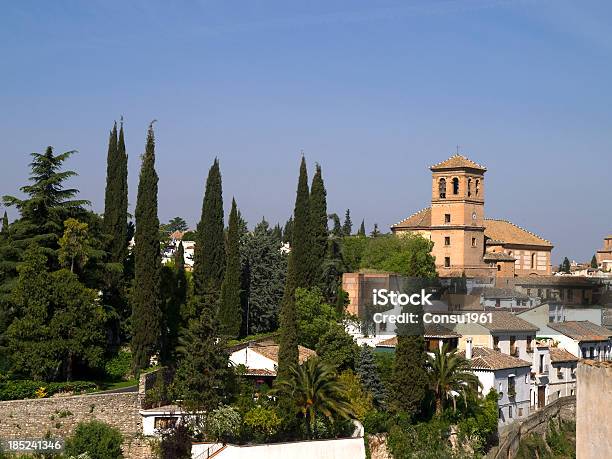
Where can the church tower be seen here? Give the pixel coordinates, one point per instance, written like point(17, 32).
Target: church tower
point(457, 217)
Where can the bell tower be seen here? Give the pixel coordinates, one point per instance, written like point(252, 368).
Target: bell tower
point(457, 216)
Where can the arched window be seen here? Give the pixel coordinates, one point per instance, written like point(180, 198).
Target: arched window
point(455, 185)
point(442, 188)
point(469, 187)
point(477, 187)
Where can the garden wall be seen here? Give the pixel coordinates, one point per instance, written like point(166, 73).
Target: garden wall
point(58, 416)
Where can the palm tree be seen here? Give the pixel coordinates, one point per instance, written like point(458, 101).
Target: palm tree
point(314, 390)
point(450, 377)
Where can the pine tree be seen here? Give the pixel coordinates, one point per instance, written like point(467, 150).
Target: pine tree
point(362, 230)
point(209, 254)
point(146, 308)
point(288, 231)
point(277, 231)
point(375, 232)
point(298, 275)
point(368, 373)
point(230, 311)
point(347, 227)
point(318, 224)
point(337, 228)
point(265, 266)
point(594, 263)
point(565, 267)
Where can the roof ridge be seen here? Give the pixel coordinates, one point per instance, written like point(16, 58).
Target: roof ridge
point(414, 214)
point(457, 155)
point(519, 227)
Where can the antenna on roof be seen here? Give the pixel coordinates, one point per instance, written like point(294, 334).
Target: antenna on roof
point(457, 148)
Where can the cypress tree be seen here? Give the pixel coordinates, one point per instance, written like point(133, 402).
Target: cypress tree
point(4, 233)
point(230, 311)
point(209, 254)
point(337, 229)
point(112, 192)
point(288, 231)
point(298, 275)
point(594, 263)
point(318, 224)
point(121, 252)
point(375, 232)
point(347, 227)
point(368, 373)
point(410, 381)
point(146, 312)
point(362, 231)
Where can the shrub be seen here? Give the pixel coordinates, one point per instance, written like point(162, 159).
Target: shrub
point(263, 423)
point(119, 367)
point(25, 388)
point(223, 424)
point(376, 422)
point(97, 439)
point(175, 443)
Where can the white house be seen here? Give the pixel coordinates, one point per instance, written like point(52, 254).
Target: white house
point(583, 339)
point(562, 378)
point(508, 375)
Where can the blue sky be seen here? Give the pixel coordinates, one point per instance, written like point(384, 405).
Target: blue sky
point(373, 91)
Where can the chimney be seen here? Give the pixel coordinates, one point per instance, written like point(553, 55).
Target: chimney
point(468, 348)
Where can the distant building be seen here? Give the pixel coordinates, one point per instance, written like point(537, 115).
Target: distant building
point(583, 339)
point(465, 242)
point(604, 256)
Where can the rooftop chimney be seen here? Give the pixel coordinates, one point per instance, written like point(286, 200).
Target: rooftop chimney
point(468, 348)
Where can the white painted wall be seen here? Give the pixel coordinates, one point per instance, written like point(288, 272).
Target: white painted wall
point(251, 359)
point(348, 448)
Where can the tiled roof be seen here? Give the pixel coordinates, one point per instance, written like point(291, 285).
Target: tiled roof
point(271, 352)
point(488, 359)
point(498, 256)
point(509, 233)
point(259, 372)
point(431, 331)
point(506, 321)
point(552, 281)
point(457, 162)
point(497, 292)
point(420, 219)
point(558, 355)
point(582, 330)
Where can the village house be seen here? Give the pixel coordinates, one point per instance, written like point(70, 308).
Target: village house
point(604, 255)
point(583, 339)
point(562, 378)
point(435, 337)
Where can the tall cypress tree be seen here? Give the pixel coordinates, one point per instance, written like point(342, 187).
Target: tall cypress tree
point(209, 254)
point(146, 310)
point(5, 227)
point(347, 227)
point(318, 224)
point(112, 191)
point(121, 251)
point(298, 275)
point(594, 263)
point(181, 277)
point(230, 311)
point(362, 231)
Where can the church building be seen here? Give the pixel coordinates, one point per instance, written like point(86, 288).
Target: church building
point(465, 242)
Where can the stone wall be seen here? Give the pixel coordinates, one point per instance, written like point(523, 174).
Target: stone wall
point(563, 408)
point(58, 417)
point(593, 408)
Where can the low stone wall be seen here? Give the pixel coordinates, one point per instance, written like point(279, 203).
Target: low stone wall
point(58, 417)
point(563, 408)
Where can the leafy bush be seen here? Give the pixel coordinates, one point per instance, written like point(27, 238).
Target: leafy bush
point(223, 424)
point(263, 423)
point(376, 422)
point(119, 367)
point(337, 348)
point(24, 388)
point(427, 440)
point(359, 398)
point(96, 438)
point(175, 443)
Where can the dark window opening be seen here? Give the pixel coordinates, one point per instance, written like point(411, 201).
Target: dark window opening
point(442, 188)
point(447, 240)
point(455, 185)
point(447, 262)
point(447, 218)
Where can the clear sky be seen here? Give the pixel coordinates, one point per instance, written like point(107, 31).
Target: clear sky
point(374, 91)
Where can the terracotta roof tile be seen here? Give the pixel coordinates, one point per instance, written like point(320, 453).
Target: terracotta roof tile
point(509, 233)
point(420, 219)
point(558, 355)
point(498, 256)
point(506, 321)
point(488, 359)
point(271, 351)
point(582, 330)
point(457, 162)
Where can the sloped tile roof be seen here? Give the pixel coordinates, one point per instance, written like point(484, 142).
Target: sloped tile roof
point(582, 330)
point(509, 233)
point(503, 321)
point(431, 331)
point(271, 351)
point(558, 355)
point(498, 256)
point(488, 359)
point(457, 161)
point(420, 219)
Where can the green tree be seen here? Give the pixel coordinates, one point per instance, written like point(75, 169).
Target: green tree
point(97, 439)
point(358, 396)
point(175, 224)
point(265, 279)
point(74, 245)
point(362, 230)
point(146, 307)
point(450, 377)
point(48, 203)
point(4, 232)
point(375, 232)
point(314, 316)
point(594, 263)
point(288, 231)
point(298, 274)
point(209, 254)
point(369, 375)
point(408, 255)
point(203, 374)
point(409, 381)
point(182, 285)
point(59, 323)
point(337, 226)
point(171, 302)
point(352, 250)
point(230, 311)
point(337, 348)
point(175, 443)
point(318, 224)
point(565, 267)
point(347, 227)
point(314, 391)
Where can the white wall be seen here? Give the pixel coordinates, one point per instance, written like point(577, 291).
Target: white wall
point(348, 448)
point(251, 359)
